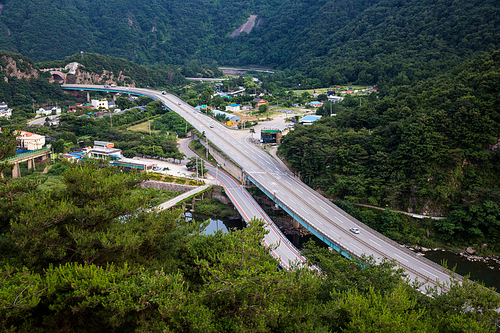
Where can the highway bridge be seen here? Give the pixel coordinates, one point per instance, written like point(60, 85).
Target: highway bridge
point(312, 210)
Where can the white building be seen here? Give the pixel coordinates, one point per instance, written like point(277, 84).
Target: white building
point(233, 107)
point(30, 141)
point(335, 99)
point(98, 104)
point(47, 110)
point(103, 149)
point(5, 111)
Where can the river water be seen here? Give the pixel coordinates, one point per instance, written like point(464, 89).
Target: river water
point(216, 223)
point(488, 273)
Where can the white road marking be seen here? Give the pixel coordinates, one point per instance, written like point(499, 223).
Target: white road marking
point(428, 272)
point(333, 232)
point(371, 240)
point(355, 246)
point(318, 221)
point(400, 257)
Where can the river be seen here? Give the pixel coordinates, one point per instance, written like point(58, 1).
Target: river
point(488, 273)
point(216, 223)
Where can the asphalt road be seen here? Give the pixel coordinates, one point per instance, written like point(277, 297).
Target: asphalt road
point(330, 222)
point(248, 208)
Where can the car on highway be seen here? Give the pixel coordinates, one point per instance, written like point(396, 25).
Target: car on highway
point(211, 126)
point(354, 230)
point(178, 103)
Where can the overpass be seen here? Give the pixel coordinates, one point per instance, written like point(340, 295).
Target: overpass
point(183, 197)
point(309, 208)
point(31, 157)
point(286, 253)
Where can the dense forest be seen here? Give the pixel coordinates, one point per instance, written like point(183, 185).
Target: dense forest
point(327, 42)
point(90, 255)
point(430, 147)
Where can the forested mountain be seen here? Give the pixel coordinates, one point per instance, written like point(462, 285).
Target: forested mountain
point(370, 41)
point(432, 147)
point(332, 42)
point(143, 31)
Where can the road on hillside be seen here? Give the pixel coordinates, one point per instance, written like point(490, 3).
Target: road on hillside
point(326, 219)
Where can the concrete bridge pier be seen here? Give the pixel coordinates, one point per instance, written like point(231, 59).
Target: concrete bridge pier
point(193, 200)
point(296, 223)
point(88, 96)
point(16, 171)
point(31, 163)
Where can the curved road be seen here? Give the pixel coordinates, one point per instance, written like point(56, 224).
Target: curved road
point(246, 205)
point(310, 208)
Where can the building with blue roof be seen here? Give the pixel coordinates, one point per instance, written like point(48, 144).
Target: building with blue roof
point(229, 116)
point(315, 104)
point(233, 107)
point(309, 120)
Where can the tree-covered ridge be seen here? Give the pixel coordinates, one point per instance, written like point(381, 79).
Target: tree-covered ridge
point(429, 147)
point(12, 64)
point(330, 42)
point(22, 84)
point(123, 71)
point(158, 31)
point(372, 41)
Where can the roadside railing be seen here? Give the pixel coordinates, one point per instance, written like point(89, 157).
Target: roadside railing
point(20, 156)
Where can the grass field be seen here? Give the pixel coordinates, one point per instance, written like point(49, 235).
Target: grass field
point(324, 90)
point(142, 127)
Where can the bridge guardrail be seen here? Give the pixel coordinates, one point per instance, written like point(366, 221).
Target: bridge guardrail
point(33, 152)
point(407, 268)
point(390, 241)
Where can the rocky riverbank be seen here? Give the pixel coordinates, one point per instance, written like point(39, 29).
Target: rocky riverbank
point(469, 254)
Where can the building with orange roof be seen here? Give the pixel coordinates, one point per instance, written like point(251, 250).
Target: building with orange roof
point(30, 141)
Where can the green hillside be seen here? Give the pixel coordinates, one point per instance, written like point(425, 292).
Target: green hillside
point(428, 147)
point(149, 32)
point(331, 42)
point(373, 41)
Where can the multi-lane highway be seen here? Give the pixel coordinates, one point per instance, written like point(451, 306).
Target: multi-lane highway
point(311, 209)
point(248, 208)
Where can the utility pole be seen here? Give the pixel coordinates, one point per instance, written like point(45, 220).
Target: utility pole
point(197, 177)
